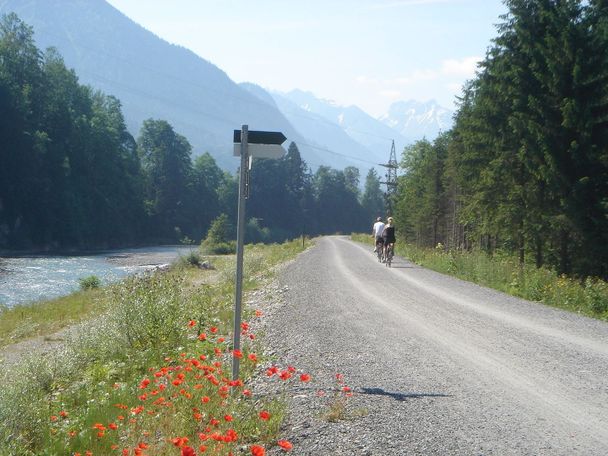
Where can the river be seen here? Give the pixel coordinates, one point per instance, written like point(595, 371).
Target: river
point(26, 279)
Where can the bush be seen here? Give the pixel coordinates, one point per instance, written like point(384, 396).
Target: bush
point(217, 241)
point(256, 233)
point(193, 259)
point(89, 283)
point(224, 248)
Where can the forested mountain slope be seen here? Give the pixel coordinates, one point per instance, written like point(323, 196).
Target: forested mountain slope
point(151, 77)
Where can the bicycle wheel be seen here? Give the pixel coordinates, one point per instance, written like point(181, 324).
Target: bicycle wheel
point(389, 257)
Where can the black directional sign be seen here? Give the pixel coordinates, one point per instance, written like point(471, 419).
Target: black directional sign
point(261, 137)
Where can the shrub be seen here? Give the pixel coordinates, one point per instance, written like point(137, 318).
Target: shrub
point(217, 241)
point(192, 259)
point(90, 282)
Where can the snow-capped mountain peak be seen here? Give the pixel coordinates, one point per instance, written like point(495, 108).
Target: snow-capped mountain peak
point(415, 119)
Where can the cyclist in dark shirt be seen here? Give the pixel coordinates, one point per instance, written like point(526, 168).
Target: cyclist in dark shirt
point(388, 236)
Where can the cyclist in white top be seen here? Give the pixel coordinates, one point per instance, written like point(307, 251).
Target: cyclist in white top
point(377, 230)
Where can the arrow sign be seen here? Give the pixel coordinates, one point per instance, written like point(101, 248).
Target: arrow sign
point(261, 137)
point(261, 150)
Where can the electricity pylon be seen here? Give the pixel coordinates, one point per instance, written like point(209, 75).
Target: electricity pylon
point(391, 180)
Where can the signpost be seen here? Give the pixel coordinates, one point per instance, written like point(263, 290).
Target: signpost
point(248, 145)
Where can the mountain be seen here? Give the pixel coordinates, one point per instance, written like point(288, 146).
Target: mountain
point(415, 119)
point(155, 79)
point(373, 135)
point(151, 77)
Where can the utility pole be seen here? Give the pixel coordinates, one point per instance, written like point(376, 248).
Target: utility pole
point(391, 179)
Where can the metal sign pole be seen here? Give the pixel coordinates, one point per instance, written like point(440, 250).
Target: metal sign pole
point(240, 237)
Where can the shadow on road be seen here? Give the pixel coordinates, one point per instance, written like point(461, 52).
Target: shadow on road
point(399, 396)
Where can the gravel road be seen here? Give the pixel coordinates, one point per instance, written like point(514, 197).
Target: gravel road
point(437, 366)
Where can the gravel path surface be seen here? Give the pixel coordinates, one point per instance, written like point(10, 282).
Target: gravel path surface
point(437, 366)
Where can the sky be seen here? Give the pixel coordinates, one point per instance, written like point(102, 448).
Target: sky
point(368, 53)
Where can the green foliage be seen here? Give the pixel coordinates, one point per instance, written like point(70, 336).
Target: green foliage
point(255, 233)
point(372, 199)
point(71, 170)
point(337, 202)
point(69, 167)
point(90, 282)
point(192, 259)
point(504, 272)
point(103, 363)
point(523, 170)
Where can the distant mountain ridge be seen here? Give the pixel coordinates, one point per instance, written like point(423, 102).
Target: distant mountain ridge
point(156, 79)
point(357, 124)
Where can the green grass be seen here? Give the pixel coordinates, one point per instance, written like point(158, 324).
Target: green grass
point(54, 404)
point(503, 272)
point(47, 317)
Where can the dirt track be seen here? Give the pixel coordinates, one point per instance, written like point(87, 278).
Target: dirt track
point(439, 365)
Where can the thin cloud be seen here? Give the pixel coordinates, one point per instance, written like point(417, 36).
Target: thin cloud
point(400, 3)
point(391, 94)
point(460, 67)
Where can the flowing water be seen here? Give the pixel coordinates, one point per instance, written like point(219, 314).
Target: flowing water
point(32, 278)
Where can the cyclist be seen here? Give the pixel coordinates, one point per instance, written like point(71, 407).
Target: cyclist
point(388, 236)
point(377, 230)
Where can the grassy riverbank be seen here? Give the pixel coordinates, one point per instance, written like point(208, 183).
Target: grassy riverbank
point(504, 273)
point(150, 374)
point(47, 317)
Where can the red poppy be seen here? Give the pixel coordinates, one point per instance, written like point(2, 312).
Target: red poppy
point(305, 377)
point(257, 450)
point(285, 444)
point(188, 451)
point(264, 415)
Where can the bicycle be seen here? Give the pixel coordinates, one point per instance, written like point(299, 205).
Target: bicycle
point(380, 250)
point(389, 255)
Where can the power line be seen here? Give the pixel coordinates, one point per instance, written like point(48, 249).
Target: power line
point(249, 99)
point(229, 122)
point(232, 95)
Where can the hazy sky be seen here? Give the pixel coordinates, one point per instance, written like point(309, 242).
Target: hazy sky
point(364, 52)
